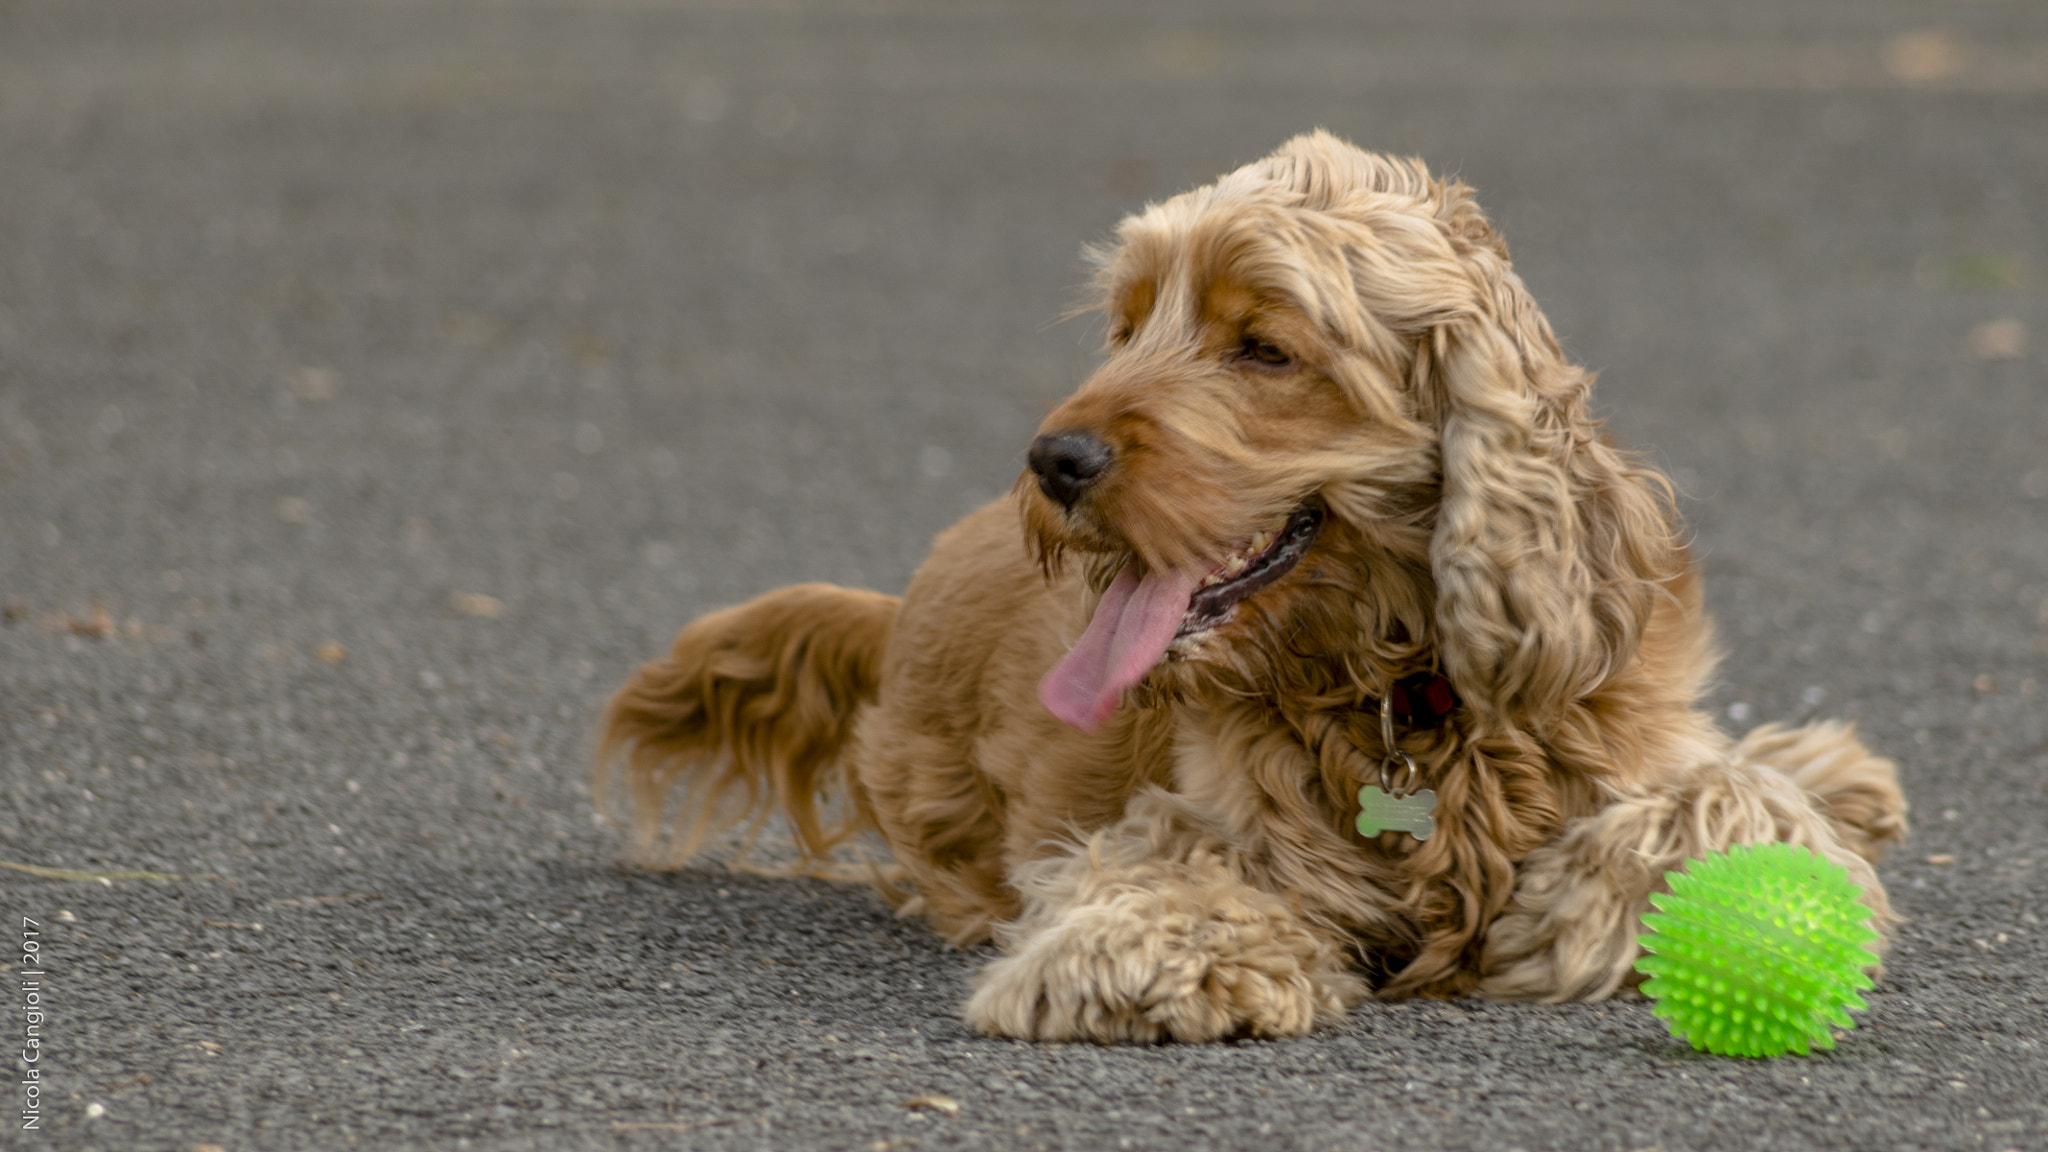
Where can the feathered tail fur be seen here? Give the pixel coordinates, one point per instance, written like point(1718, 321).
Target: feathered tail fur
point(747, 714)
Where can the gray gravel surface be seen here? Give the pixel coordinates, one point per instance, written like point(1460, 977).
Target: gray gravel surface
point(379, 382)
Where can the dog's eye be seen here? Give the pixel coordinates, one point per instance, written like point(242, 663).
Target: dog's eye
point(1264, 352)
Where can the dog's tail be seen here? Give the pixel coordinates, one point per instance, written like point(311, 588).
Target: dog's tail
point(747, 714)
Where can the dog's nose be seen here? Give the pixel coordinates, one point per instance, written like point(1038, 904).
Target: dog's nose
point(1067, 463)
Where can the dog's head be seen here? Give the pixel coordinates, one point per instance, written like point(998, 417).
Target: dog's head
point(1333, 427)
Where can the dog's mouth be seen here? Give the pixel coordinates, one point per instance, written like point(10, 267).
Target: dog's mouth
point(1266, 557)
point(1144, 612)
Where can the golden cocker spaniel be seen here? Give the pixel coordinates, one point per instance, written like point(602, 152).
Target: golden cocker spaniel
point(1327, 649)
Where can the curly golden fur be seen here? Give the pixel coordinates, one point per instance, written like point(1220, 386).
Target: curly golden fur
point(1324, 333)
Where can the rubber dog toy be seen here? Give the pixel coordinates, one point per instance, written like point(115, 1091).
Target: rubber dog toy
point(1757, 951)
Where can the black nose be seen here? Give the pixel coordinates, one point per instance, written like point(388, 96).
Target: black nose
point(1067, 463)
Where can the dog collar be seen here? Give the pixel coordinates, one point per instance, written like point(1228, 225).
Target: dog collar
point(1423, 700)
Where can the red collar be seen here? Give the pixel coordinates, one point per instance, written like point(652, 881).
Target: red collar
point(1423, 700)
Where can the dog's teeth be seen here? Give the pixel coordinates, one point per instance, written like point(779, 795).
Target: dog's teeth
point(1260, 543)
point(1211, 580)
point(1233, 566)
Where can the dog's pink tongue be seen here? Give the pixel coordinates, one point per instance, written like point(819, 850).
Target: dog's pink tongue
point(1129, 633)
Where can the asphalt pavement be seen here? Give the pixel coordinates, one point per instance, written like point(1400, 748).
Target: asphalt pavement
point(380, 381)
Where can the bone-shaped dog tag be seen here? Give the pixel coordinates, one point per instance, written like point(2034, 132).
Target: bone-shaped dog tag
point(1379, 812)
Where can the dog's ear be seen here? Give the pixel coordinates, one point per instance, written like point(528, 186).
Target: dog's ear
point(1550, 545)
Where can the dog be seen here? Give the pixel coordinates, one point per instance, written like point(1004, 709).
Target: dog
point(1326, 649)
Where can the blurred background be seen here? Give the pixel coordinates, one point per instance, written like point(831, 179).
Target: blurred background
point(380, 381)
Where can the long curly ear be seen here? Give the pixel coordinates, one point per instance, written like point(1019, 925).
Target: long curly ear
point(1550, 544)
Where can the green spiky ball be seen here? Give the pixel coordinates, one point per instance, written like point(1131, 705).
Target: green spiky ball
point(1756, 951)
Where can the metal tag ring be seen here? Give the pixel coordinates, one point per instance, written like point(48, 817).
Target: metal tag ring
point(1409, 775)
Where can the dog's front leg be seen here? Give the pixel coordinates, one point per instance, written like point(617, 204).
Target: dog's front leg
point(1570, 932)
point(1150, 932)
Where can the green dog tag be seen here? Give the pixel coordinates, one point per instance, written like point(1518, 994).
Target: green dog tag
point(1379, 812)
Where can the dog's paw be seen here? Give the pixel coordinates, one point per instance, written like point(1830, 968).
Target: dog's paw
point(1146, 963)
